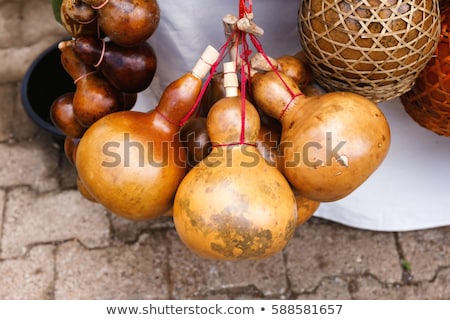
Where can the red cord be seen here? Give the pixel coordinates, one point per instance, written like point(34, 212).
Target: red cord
point(243, 9)
point(222, 52)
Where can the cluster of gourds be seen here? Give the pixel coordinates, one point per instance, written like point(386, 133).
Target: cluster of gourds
point(108, 58)
point(255, 163)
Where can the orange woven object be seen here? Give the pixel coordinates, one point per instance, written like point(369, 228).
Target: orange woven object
point(428, 102)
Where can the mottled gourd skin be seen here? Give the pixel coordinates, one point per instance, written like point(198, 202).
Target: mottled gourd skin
point(130, 168)
point(330, 144)
point(233, 205)
point(132, 162)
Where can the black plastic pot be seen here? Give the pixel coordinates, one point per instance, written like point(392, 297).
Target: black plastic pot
point(44, 81)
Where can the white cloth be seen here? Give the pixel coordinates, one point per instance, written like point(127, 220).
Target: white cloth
point(410, 190)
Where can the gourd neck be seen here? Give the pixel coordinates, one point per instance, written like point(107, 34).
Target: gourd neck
point(291, 108)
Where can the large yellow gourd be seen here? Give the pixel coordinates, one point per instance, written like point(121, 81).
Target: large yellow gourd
point(132, 162)
point(233, 205)
point(330, 143)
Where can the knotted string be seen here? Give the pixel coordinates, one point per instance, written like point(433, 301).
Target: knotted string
point(83, 76)
point(293, 95)
point(102, 55)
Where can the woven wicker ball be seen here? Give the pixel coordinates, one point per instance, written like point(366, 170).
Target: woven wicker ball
point(375, 48)
point(428, 102)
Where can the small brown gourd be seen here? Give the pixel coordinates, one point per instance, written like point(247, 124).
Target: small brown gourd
point(195, 139)
point(214, 92)
point(128, 23)
point(70, 148)
point(128, 69)
point(94, 96)
point(233, 205)
point(63, 117)
point(78, 18)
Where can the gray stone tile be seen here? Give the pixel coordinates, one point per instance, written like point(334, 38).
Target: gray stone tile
point(334, 288)
point(2, 209)
point(426, 251)
point(38, 21)
point(10, 23)
point(28, 277)
point(29, 163)
point(128, 231)
point(137, 271)
point(16, 60)
point(193, 276)
point(369, 288)
point(22, 126)
point(321, 249)
point(68, 174)
point(7, 96)
point(439, 288)
point(32, 218)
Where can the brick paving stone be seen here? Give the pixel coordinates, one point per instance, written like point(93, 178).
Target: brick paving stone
point(39, 13)
point(193, 276)
point(439, 288)
point(369, 288)
point(334, 288)
point(128, 231)
point(32, 163)
point(137, 271)
point(2, 208)
point(16, 61)
point(22, 126)
point(322, 248)
point(426, 251)
point(57, 216)
point(7, 96)
point(30, 276)
point(68, 173)
point(10, 23)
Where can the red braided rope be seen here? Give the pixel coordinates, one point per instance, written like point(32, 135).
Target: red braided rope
point(244, 9)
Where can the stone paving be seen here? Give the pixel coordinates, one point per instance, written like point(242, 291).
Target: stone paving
point(56, 245)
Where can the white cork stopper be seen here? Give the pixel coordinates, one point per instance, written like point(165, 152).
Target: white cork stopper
point(230, 79)
point(260, 63)
point(204, 64)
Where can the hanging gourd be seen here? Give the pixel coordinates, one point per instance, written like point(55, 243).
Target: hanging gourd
point(94, 96)
point(132, 162)
point(330, 144)
point(78, 18)
point(233, 205)
point(128, 69)
point(128, 23)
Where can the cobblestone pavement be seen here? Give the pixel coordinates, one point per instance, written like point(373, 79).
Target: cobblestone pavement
point(56, 245)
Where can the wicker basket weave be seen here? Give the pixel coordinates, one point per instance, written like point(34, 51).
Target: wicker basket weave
point(375, 48)
point(428, 103)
